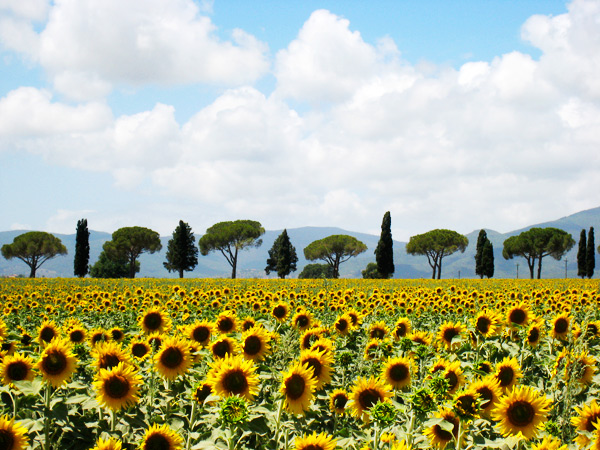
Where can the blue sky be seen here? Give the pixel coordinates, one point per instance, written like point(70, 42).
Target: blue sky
point(460, 115)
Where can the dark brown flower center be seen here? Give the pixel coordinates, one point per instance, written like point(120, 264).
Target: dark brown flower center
point(47, 334)
point(279, 312)
point(341, 325)
point(76, 336)
point(171, 357)
point(7, 439)
point(520, 413)
point(54, 363)
point(561, 325)
point(452, 379)
point(517, 316)
point(117, 335)
point(17, 371)
point(505, 376)
point(225, 324)
point(302, 321)
point(486, 396)
point(295, 386)
point(315, 365)
point(377, 333)
point(399, 372)
point(483, 325)
point(108, 360)
point(368, 398)
point(157, 441)
point(139, 349)
point(117, 386)
point(339, 401)
point(235, 382)
point(534, 335)
point(221, 348)
point(153, 321)
point(252, 345)
point(449, 334)
point(201, 334)
point(202, 392)
point(401, 330)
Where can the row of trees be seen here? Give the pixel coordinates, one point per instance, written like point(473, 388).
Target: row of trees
point(120, 256)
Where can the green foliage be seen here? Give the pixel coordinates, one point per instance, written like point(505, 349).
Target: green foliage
point(231, 237)
point(34, 248)
point(384, 253)
point(282, 256)
point(129, 243)
point(111, 265)
point(436, 244)
point(371, 272)
point(582, 255)
point(316, 270)
point(481, 240)
point(590, 259)
point(82, 249)
point(334, 250)
point(182, 253)
point(537, 243)
point(487, 260)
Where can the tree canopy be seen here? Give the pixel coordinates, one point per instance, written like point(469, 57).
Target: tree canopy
point(282, 256)
point(130, 242)
point(484, 256)
point(110, 264)
point(82, 249)
point(182, 253)
point(436, 244)
point(581, 255)
point(34, 248)
point(231, 237)
point(537, 243)
point(384, 252)
point(317, 270)
point(334, 250)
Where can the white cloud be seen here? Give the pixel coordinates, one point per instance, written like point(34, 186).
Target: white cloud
point(36, 10)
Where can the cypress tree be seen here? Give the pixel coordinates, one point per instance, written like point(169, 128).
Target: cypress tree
point(82, 249)
point(590, 259)
point(282, 256)
point(487, 259)
point(182, 253)
point(384, 253)
point(481, 240)
point(582, 256)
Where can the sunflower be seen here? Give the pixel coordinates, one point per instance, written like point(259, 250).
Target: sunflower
point(226, 322)
point(109, 444)
point(118, 387)
point(200, 332)
point(298, 386)
point(223, 346)
point(549, 443)
point(3, 330)
point(255, 343)
point(13, 436)
point(466, 404)
point(338, 400)
point(585, 421)
point(302, 320)
point(233, 375)
point(16, 367)
point(440, 436)
point(173, 358)
point(517, 315)
point(402, 328)
point(155, 320)
point(343, 324)
point(365, 394)
point(378, 330)
point(77, 334)
point(523, 410)
point(108, 354)
point(96, 336)
point(454, 374)
point(420, 337)
point(57, 362)
point(320, 363)
point(486, 323)
point(46, 332)
point(280, 311)
point(310, 336)
point(397, 372)
point(560, 326)
point(449, 332)
point(323, 345)
point(315, 441)
point(581, 368)
point(508, 373)
point(161, 437)
point(489, 393)
point(202, 392)
point(140, 349)
point(116, 334)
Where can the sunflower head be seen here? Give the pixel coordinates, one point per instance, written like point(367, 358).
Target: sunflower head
point(224, 346)
point(450, 335)
point(57, 362)
point(47, 331)
point(255, 343)
point(280, 311)
point(397, 372)
point(560, 326)
point(315, 441)
point(439, 435)
point(298, 387)
point(402, 328)
point(173, 358)
point(378, 330)
point(140, 349)
point(109, 354)
point(16, 367)
point(338, 400)
point(233, 375)
point(109, 444)
point(523, 410)
point(365, 394)
point(517, 316)
point(118, 387)
point(320, 364)
point(13, 436)
point(161, 437)
point(302, 320)
point(226, 322)
point(155, 320)
point(508, 373)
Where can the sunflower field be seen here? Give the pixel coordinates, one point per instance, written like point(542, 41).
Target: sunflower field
point(299, 364)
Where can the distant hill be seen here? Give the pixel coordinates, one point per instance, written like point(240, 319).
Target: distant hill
point(251, 263)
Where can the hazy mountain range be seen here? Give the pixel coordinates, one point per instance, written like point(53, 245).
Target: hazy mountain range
point(251, 263)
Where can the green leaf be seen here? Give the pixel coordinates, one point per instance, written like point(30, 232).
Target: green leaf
point(30, 387)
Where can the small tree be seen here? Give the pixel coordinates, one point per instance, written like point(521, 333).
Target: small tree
point(334, 250)
point(282, 256)
point(182, 253)
point(111, 264)
point(481, 240)
point(316, 270)
point(487, 260)
point(582, 255)
point(82, 249)
point(34, 248)
point(436, 244)
point(384, 252)
point(590, 259)
point(129, 243)
point(371, 272)
point(231, 237)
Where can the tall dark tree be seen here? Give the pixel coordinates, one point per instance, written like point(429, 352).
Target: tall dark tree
point(82, 249)
point(384, 253)
point(282, 256)
point(582, 255)
point(487, 259)
point(590, 259)
point(481, 240)
point(182, 253)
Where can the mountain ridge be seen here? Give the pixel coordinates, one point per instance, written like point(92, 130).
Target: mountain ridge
point(252, 262)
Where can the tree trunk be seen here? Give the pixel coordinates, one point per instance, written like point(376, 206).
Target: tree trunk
point(180, 273)
point(539, 274)
point(531, 267)
point(234, 265)
point(439, 274)
point(131, 267)
point(32, 271)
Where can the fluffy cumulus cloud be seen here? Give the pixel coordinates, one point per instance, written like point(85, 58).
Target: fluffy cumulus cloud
point(88, 47)
point(500, 144)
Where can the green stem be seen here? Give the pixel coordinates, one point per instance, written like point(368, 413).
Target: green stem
point(113, 421)
point(459, 435)
point(191, 425)
point(376, 437)
point(278, 422)
point(47, 396)
point(409, 433)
